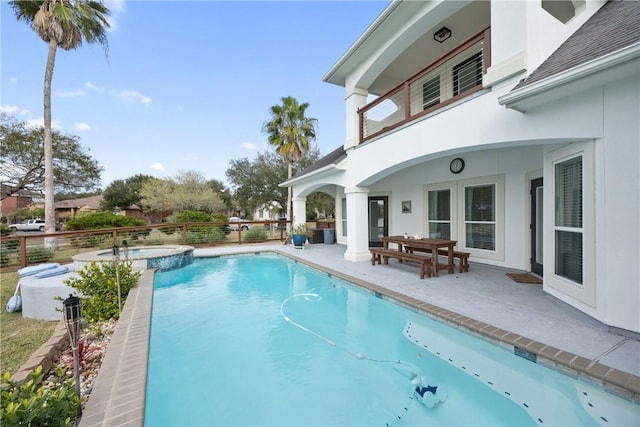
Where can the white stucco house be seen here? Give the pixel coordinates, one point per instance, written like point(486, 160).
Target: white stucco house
point(510, 126)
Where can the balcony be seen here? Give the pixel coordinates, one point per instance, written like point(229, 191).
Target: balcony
point(456, 75)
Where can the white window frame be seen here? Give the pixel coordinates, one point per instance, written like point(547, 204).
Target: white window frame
point(497, 181)
point(453, 208)
point(586, 291)
point(343, 215)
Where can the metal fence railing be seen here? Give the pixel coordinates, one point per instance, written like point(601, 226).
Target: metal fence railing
point(454, 76)
point(27, 249)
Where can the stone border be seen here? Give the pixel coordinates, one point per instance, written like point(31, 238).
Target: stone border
point(45, 356)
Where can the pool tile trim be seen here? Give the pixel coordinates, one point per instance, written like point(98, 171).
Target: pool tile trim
point(118, 395)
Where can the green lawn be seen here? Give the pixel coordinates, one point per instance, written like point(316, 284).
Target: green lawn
point(19, 336)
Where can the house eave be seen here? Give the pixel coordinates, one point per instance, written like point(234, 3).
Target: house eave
point(336, 75)
point(521, 99)
point(311, 175)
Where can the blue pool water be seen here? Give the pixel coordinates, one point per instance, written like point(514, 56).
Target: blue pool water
point(261, 340)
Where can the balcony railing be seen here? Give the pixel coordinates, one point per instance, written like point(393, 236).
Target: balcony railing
point(454, 76)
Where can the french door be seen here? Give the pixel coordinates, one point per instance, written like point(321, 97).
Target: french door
point(378, 219)
point(536, 226)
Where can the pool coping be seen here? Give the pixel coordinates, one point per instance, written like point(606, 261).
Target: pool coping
point(118, 395)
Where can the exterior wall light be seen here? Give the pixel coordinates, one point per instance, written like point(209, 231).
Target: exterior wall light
point(442, 34)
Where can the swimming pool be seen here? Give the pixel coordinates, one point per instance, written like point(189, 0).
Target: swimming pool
point(262, 340)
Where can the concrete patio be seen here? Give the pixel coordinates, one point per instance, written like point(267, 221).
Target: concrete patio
point(483, 300)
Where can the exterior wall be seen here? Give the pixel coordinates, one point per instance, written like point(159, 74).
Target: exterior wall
point(545, 33)
point(12, 203)
point(515, 165)
point(611, 292)
point(599, 121)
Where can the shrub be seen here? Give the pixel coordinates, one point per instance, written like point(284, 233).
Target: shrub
point(91, 240)
point(302, 229)
point(32, 404)
point(192, 216)
point(38, 254)
point(4, 229)
point(205, 234)
point(25, 213)
point(8, 250)
point(5, 257)
point(98, 289)
point(255, 234)
point(99, 220)
point(134, 235)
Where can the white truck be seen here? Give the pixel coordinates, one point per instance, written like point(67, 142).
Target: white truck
point(234, 227)
point(28, 225)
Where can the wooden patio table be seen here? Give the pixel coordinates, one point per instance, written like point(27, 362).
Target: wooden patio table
point(428, 245)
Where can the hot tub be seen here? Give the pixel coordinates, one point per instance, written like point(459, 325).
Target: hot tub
point(164, 258)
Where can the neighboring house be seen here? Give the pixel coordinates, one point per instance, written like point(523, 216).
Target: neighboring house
point(69, 209)
point(269, 212)
point(22, 199)
point(509, 126)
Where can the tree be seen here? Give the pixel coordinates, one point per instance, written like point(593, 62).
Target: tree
point(123, 193)
point(64, 24)
point(257, 183)
point(187, 191)
point(291, 133)
point(223, 192)
point(22, 161)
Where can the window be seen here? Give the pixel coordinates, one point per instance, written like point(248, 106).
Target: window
point(568, 212)
point(431, 93)
point(467, 74)
point(343, 210)
point(439, 214)
point(480, 216)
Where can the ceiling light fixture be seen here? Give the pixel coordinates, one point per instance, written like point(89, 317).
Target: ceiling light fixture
point(442, 34)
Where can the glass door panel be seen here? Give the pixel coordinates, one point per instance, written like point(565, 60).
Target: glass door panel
point(378, 220)
point(536, 226)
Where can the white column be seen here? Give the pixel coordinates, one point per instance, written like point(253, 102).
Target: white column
point(354, 99)
point(299, 210)
point(357, 224)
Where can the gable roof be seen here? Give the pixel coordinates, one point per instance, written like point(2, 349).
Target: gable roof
point(92, 202)
point(614, 26)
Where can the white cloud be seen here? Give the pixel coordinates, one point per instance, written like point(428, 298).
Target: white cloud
point(249, 146)
point(132, 96)
point(158, 166)
point(83, 127)
point(116, 7)
point(93, 87)
point(9, 109)
point(39, 122)
point(70, 94)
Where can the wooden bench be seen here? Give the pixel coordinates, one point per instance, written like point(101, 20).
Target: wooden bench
point(381, 255)
point(463, 265)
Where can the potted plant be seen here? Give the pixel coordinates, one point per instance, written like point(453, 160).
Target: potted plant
point(299, 234)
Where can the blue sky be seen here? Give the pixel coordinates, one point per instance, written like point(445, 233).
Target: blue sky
point(186, 85)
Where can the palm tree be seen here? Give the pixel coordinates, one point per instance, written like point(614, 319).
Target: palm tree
point(291, 133)
point(64, 24)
